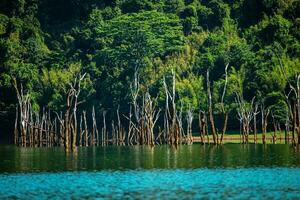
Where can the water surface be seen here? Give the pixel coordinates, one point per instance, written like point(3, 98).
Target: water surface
point(16, 159)
point(187, 172)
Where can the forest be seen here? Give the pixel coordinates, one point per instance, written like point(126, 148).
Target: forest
point(100, 72)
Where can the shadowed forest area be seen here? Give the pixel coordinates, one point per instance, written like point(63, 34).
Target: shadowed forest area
point(127, 72)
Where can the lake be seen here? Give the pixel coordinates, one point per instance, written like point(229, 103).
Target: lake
point(192, 172)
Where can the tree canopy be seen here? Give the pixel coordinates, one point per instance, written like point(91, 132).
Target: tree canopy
point(44, 43)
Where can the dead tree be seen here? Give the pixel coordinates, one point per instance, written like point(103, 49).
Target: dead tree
point(86, 132)
point(120, 132)
point(130, 126)
point(61, 128)
point(210, 110)
point(70, 116)
point(180, 123)
point(223, 110)
point(36, 131)
point(143, 119)
point(289, 117)
point(249, 115)
point(104, 130)
point(246, 114)
point(67, 120)
point(189, 119)
point(172, 127)
point(81, 132)
point(202, 126)
point(298, 107)
point(23, 100)
point(287, 126)
point(167, 114)
point(113, 134)
point(31, 124)
point(274, 137)
point(264, 121)
point(16, 132)
point(296, 111)
point(95, 134)
point(135, 89)
point(76, 88)
point(151, 116)
point(255, 113)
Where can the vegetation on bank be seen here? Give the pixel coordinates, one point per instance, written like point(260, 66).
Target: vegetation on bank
point(146, 72)
point(234, 137)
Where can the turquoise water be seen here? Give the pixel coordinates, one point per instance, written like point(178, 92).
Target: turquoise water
point(188, 172)
point(255, 183)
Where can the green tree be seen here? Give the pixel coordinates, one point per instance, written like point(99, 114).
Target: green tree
point(129, 43)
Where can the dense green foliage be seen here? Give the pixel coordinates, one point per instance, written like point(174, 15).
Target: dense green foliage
point(43, 44)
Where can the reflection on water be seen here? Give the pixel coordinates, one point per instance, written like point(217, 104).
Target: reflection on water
point(188, 172)
point(244, 183)
point(16, 159)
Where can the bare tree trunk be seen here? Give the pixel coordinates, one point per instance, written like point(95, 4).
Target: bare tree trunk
point(246, 115)
point(61, 128)
point(224, 113)
point(264, 116)
point(94, 128)
point(16, 132)
point(210, 110)
point(224, 127)
point(254, 122)
point(80, 131)
point(206, 128)
point(67, 124)
point(295, 111)
point(31, 127)
point(130, 127)
point(298, 108)
point(166, 119)
point(41, 129)
point(189, 126)
point(294, 124)
point(287, 131)
point(72, 128)
point(174, 114)
point(36, 131)
point(275, 129)
point(74, 132)
point(119, 127)
point(201, 127)
point(242, 131)
point(48, 129)
point(86, 142)
point(180, 124)
point(104, 131)
point(113, 132)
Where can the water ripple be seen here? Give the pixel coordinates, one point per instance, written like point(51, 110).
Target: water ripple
point(245, 183)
